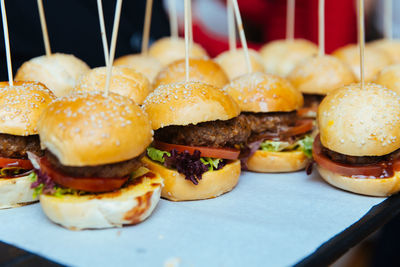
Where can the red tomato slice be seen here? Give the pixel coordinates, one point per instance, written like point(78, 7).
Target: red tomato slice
point(220, 153)
point(301, 127)
point(375, 170)
point(92, 184)
point(21, 163)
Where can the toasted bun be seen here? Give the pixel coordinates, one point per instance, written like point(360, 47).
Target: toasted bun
point(129, 205)
point(264, 161)
point(188, 103)
point(360, 122)
point(212, 184)
point(16, 192)
point(90, 129)
point(390, 77)
point(167, 50)
point(146, 65)
point(201, 70)
point(320, 75)
point(391, 47)
point(281, 56)
point(124, 81)
point(260, 92)
point(371, 187)
point(21, 106)
point(59, 72)
point(375, 60)
point(234, 62)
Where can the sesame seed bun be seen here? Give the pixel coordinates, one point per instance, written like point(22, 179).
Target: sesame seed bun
point(144, 64)
point(167, 50)
point(391, 47)
point(188, 103)
point(371, 187)
point(320, 75)
point(127, 206)
point(375, 60)
point(124, 81)
point(390, 77)
point(234, 62)
point(21, 106)
point(59, 72)
point(212, 184)
point(260, 92)
point(265, 161)
point(89, 129)
point(281, 56)
point(201, 70)
point(360, 122)
point(16, 192)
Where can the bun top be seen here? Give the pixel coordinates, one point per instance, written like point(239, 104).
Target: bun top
point(359, 122)
point(188, 103)
point(260, 92)
point(124, 81)
point(391, 47)
point(59, 72)
point(234, 62)
point(144, 64)
point(281, 56)
point(88, 129)
point(167, 50)
point(321, 75)
point(201, 70)
point(390, 77)
point(375, 60)
point(21, 106)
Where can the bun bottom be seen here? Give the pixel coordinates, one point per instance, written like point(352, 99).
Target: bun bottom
point(127, 206)
point(364, 186)
point(265, 161)
point(212, 184)
point(15, 192)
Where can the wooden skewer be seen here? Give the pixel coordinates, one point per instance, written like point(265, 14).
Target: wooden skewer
point(146, 27)
point(388, 15)
point(190, 25)
point(321, 27)
point(103, 31)
point(231, 26)
point(7, 43)
point(187, 5)
point(361, 39)
point(44, 28)
point(173, 21)
point(113, 44)
point(290, 16)
point(242, 35)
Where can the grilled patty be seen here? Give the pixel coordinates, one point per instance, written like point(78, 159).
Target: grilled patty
point(211, 134)
point(269, 122)
point(14, 146)
point(114, 170)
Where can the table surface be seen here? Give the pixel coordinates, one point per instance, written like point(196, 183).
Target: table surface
point(277, 219)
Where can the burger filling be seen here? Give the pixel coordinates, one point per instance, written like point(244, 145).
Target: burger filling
point(195, 149)
point(311, 104)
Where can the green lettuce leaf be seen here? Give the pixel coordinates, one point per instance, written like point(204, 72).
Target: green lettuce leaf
point(273, 146)
point(211, 163)
point(157, 155)
point(304, 145)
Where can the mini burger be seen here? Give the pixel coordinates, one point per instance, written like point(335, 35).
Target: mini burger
point(145, 64)
point(20, 108)
point(391, 47)
point(196, 130)
point(358, 146)
point(389, 77)
point(280, 141)
point(91, 175)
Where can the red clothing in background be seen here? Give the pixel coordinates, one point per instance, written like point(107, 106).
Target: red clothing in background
point(270, 15)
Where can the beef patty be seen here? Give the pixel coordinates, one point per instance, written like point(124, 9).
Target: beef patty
point(211, 134)
point(312, 101)
point(15, 146)
point(271, 122)
point(119, 169)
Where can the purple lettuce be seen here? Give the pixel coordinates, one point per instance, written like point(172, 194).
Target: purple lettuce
point(43, 183)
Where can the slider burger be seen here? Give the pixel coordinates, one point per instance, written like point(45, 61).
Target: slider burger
point(91, 175)
point(201, 70)
point(389, 77)
point(358, 146)
point(391, 47)
point(20, 108)
point(144, 64)
point(196, 129)
point(317, 76)
point(124, 81)
point(280, 140)
point(60, 72)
